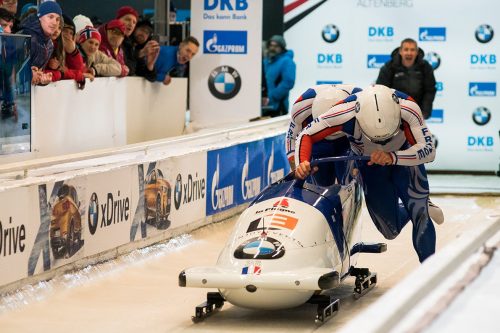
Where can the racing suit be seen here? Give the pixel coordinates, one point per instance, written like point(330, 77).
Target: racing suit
point(384, 186)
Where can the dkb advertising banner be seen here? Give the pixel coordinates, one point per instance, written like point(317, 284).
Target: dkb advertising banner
point(349, 41)
point(225, 75)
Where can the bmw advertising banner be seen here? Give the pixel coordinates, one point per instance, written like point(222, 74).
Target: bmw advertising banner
point(224, 83)
point(332, 47)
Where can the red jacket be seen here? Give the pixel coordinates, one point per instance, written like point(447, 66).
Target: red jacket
point(108, 50)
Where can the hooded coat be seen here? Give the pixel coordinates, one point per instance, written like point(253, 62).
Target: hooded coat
point(280, 79)
point(41, 45)
point(417, 81)
point(107, 49)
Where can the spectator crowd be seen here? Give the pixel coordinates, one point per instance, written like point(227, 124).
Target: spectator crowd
point(78, 49)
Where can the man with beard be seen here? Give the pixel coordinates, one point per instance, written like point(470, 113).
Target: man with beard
point(408, 72)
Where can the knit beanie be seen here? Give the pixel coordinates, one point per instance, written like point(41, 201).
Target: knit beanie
point(49, 7)
point(87, 33)
point(116, 24)
point(68, 23)
point(126, 10)
point(279, 40)
point(81, 21)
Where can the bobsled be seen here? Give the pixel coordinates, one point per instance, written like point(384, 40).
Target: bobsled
point(295, 241)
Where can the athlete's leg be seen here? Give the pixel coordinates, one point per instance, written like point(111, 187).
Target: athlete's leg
point(381, 197)
point(413, 189)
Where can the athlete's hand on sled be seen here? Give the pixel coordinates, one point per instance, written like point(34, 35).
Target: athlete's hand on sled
point(380, 157)
point(304, 169)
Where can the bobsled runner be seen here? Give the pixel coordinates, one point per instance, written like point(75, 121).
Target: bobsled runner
point(294, 241)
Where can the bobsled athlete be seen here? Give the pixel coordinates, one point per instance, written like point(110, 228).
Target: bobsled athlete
point(311, 104)
point(388, 126)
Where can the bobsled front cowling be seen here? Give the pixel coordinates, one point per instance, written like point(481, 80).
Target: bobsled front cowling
point(288, 238)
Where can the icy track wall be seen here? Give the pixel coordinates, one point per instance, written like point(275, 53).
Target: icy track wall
point(68, 220)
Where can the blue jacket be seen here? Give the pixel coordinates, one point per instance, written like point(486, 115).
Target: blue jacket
point(41, 45)
point(280, 78)
point(167, 63)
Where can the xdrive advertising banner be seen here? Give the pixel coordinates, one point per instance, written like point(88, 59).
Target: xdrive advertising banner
point(349, 41)
point(19, 225)
point(56, 223)
point(225, 75)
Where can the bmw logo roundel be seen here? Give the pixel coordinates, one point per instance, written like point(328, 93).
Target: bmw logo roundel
point(433, 59)
point(224, 82)
point(357, 107)
point(481, 116)
point(484, 33)
point(178, 191)
point(260, 248)
point(330, 33)
point(93, 213)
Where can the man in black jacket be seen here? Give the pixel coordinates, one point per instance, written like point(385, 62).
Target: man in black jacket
point(408, 72)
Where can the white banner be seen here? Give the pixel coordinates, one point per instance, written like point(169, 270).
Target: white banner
point(225, 76)
point(348, 41)
point(18, 229)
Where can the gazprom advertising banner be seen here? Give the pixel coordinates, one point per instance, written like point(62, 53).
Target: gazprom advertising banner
point(276, 163)
point(221, 179)
point(225, 75)
point(338, 41)
point(251, 163)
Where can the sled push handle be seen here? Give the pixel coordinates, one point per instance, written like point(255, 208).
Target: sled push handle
point(339, 159)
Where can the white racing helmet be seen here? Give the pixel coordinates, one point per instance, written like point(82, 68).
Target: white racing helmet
point(378, 113)
point(327, 97)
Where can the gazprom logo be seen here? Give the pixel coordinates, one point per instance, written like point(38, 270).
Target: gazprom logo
point(483, 89)
point(484, 33)
point(437, 117)
point(224, 42)
point(377, 60)
point(433, 59)
point(432, 34)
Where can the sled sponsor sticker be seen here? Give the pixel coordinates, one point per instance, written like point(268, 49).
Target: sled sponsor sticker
point(260, 248)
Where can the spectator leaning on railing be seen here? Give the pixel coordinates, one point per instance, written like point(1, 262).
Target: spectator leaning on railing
point(97, 63)
point(40, 27)
point(173, 60)
point(57, 64)
point(141, 62)
point(112, 35)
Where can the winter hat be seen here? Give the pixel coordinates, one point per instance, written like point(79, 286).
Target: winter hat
point(81, 21)
point(87, 33)
point(126, 10)
point(116, 24)
point(145, 24)
point(279, 40)
point(49, 7)
point(27, 7)
point(68, 23)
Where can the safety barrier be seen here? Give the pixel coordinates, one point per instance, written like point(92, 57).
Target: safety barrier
point(64, 213)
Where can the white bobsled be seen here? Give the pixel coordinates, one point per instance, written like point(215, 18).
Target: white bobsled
point(295, 240)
